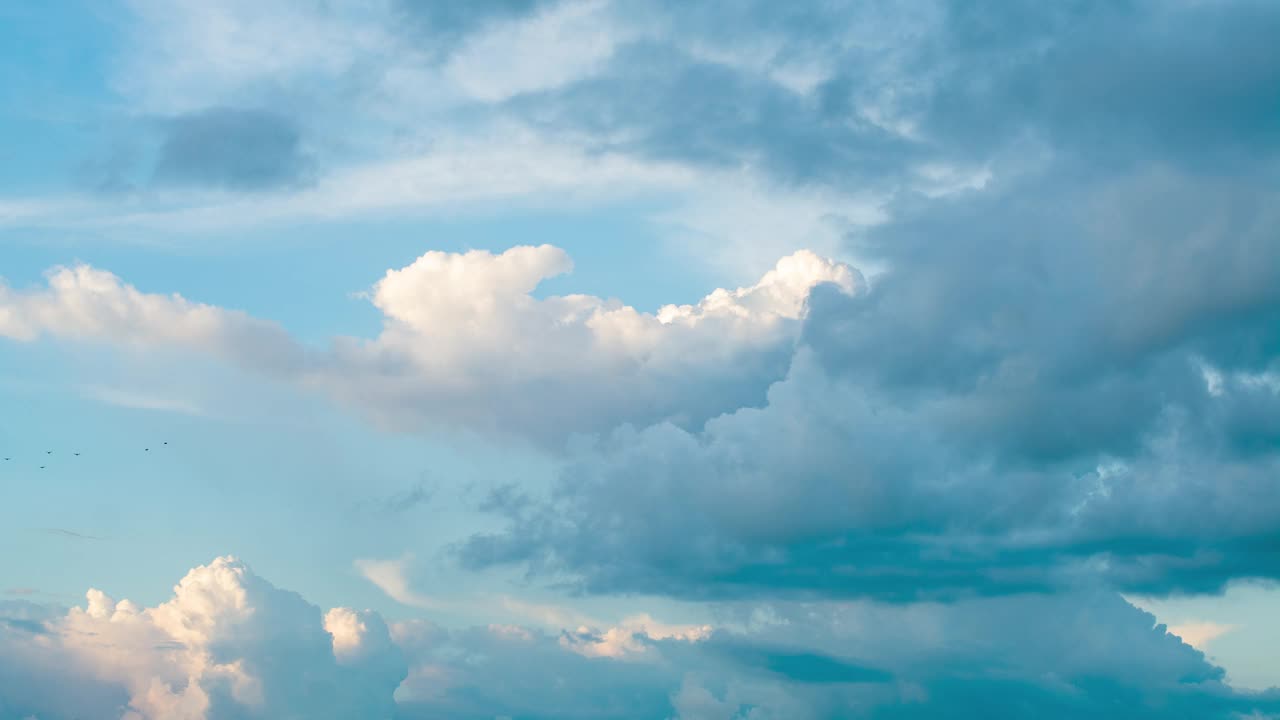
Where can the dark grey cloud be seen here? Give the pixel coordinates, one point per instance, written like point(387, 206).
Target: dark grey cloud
point(661, 102)
point(232, 148)
point(1064, 378)
point(1012, 657)
point(952, 83)
point(803, 666)
point(1023, 401)
point(1085, 654)
point(1116, 81)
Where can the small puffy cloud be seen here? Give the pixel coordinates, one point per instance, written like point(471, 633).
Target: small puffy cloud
point(465, 341)
point(228, 644)
point(858, 94)
point(85, 304)
point(629, 638)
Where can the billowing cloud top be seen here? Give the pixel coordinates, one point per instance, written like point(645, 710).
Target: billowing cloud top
point(466, 342)
point(228, 644)
point(231, 646)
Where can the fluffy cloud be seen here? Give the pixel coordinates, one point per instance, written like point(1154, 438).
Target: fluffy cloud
point(1085, 654)
point(1034, 395)
point(465, 341)
point(228, 644)
point(1063, 377)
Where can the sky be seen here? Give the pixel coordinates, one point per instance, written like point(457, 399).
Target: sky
point(537, 359)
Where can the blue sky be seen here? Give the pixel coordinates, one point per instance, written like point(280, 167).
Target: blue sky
point(578, 358)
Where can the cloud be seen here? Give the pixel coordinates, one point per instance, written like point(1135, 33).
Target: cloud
point(552, 49)
point(184, 57)
point(1017, 402)
point(578, 632)
point(1199, 634)
point(228, 644)
point(453, 21)
point(92, 305)
point(465, 341)
point(453, 172)
point(1055, 657)
point(143, 400)
point(629, 638)
point(858, 95)
point(833, 491)
point(863, 99)
point(419, 494)
point(231, 148)
point(389, 576)
point(663, 103)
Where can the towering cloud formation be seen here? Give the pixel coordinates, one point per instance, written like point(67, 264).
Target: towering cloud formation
point(1040, 401)
point(228, 644)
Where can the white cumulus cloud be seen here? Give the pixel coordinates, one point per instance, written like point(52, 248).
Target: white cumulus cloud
point(466, 342)
point(228, 644)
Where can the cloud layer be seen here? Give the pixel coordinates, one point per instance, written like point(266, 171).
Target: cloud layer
point(1044, 368)
point(229, 645)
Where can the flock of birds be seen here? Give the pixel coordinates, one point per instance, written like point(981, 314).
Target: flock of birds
point(76, 454)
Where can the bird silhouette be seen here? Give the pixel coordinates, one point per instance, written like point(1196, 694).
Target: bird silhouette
point(48, 452)
point(41, 467)
point(76, 454)
point(166, 442)
point(146, 449)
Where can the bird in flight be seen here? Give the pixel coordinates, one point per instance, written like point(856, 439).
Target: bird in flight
point(146, 449)
point(48, 452)
point(41, 467)
point(76, 454)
